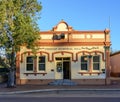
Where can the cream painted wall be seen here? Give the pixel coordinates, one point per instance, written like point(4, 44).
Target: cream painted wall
point(98, 36)
point(62, 27)
point(75, 69)
point(49, 66)
point(75, 66)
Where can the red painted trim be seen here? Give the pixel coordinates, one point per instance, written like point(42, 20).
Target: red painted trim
point(27, 52)
point(21, 58)
point(43, 52)
point(108, 70)
point(103, 58)
point(89, 73)
point(68, 27)
point(90, 66)
point(96, 52)
point(60, 43)
point(107, 43)
point(73, 32)
point(43, 73)
point(62, 53)
point(40, 52)
point(107, 31)
point(35, 65)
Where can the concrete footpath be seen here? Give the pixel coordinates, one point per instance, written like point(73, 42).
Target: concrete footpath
point(20, 89)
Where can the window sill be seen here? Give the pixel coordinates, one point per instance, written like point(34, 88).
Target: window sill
point(90, 73)
point(34, 73)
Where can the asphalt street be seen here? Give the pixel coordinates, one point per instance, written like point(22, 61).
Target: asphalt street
point(58, 99)
point(87, 93)
point(70, 93)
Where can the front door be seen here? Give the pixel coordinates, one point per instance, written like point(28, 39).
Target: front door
point(66, 70)
point(63, 68)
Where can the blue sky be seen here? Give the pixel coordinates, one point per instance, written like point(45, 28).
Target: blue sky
point(83, 15)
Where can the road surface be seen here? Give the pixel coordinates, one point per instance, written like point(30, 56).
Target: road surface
point(59, 99)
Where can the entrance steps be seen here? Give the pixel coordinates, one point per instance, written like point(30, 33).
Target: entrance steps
point(63, 82)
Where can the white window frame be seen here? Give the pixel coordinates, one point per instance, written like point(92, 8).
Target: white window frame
point(41, 63)
point(29, 63)
point(96, 63)
point(83, 63)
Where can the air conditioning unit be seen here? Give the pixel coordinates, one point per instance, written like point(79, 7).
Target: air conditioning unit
point(58, 37)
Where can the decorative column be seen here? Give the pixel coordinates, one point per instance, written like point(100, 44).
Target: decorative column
point(107, 55)
point(90, 64)
point(107, 61)
point(107, 64)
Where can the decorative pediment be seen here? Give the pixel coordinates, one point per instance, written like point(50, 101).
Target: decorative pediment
point(62, 26)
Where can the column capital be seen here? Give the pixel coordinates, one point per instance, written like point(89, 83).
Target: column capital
point(107, 47)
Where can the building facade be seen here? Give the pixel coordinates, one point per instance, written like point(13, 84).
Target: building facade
point(65, 53)
point(115, 65)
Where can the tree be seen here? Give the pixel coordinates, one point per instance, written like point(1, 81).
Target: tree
point(17, 27)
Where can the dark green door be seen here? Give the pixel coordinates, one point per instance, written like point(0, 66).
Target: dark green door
point(66, 70)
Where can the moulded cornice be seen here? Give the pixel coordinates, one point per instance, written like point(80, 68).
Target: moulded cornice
point(72, 32)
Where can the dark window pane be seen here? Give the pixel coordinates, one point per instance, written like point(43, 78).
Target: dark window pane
point(58, 58)
point(29, 67)
point(41, 63)
point(29, 59)
point(96, 66)
point(84, 59)
point(83, 66)
point(42, 59)
point(67, 58)
point(96, 59)
point(41, 67)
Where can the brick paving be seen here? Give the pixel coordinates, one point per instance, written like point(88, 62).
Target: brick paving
point(114, 85)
